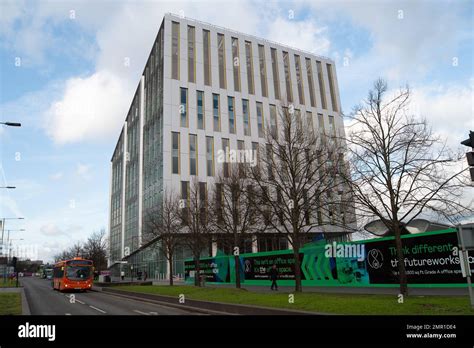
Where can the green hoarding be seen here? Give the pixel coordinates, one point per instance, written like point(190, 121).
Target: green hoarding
point(431, 260)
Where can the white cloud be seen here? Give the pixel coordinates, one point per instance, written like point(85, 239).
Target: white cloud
point(91, 108)
point(57, 176)
point(83, 170)
point(448, 109)
point(305, 35)
point(51, 229)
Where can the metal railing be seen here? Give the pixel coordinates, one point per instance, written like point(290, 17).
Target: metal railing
point(269, 42)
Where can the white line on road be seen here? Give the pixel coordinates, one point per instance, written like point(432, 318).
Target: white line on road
point(75, 300)
point(140, 312)
point(153, 313)
point(68, 313)
point(97, 309)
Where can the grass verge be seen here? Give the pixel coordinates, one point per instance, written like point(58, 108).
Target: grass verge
point(10, 303)
point(317, 302)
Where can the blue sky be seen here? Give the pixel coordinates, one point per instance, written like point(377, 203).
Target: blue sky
point(71, 90)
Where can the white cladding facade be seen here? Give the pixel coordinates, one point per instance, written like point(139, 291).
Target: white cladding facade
point(193, 61)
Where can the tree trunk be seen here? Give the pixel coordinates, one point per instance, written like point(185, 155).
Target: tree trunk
point(402, 276)
point(197, 276)
point(296, 253)
point(237, 264)
point(237, 271)
point(170, 261)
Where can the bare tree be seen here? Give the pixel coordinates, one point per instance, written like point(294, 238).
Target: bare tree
point(399, 167)
point(235, 215)
point(296, 180)
point(95, 249)
point(194, 207)
point(163, 226)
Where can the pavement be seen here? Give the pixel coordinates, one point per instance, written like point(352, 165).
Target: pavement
point(43, 300)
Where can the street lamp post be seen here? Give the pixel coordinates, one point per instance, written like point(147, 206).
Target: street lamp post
point(131, 273)
point(11, 124)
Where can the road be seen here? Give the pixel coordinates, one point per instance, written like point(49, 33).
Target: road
point(43, 300)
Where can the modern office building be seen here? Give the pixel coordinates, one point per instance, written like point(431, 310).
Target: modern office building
point(205, 88)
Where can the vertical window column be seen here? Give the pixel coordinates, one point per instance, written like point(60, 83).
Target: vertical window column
point(276, 78)
point(286, 65)
point(192, 154)
point(331, 88)
point(201, 120)
point(175, 155)
point(263, 70)
point(246, 117)
point(183, 107)
point(299, 79)
point(236, 63)
point(216, 114)
point(248, 57)
point(309, 72)
point(210, 156)
point(230, 102)
point(175, 50)
point(191, 54)
point(322, 90)
point(260, 120)
point(206, 39)
point(221, 58)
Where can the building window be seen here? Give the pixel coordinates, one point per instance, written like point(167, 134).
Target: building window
point(331, 87)
point(332, 126)
point(221, 56)
point(191, 54)
point(322, 131)
point(183, 107)
point(322, 90)
point(206, 38)
point(216, 112)
point(200, 110)
point(269, 151)
point(210, 155)
point(175, 152)
point(246, 117)
point(236, 63)
point(263, 70)
point(192, 154)
point(286, 66)
point(175, 50)
point(241, 147)
point(260, 120)
point(276, 79)
point(309, 72)
point(256, 152)
point(230, 102)
point(273, 121)
point(248, 57)
point(309, 118)
point(299, 79)
point(225, 148)
point(185, 198)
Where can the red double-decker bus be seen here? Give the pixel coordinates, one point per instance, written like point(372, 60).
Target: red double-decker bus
point(75, 274)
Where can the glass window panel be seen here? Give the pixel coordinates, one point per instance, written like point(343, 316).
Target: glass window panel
point(175, 50)
point(263, 70)
point(191, 54)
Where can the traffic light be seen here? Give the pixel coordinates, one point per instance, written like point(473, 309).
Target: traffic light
point(470, 155)
point(14, 260)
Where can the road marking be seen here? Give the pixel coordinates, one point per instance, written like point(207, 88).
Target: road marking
point(75, 299)
point(97, 309)
point(140, 312)
point(153, 313)
point(68, 313)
